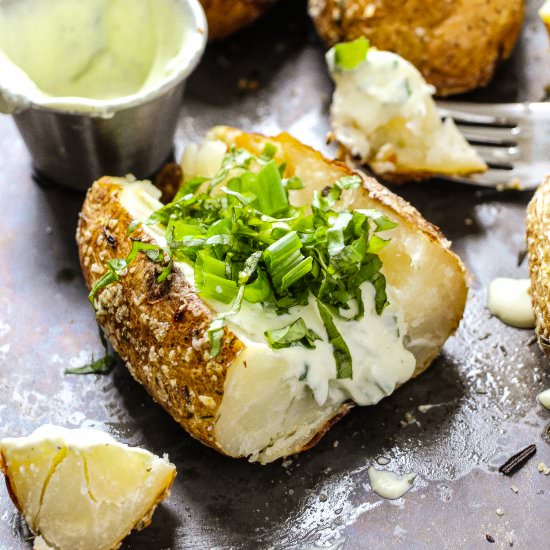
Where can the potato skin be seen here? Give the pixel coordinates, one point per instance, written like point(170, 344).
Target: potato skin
point(456, 45)
point(228, 16)
point(159, 330)
point(538, 251)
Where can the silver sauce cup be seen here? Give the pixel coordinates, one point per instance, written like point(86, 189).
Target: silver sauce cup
point(132, 134)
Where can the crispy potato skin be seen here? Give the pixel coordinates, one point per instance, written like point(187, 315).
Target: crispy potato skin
point(9, 482)
point(159, 330)
point(456, 45)
point(228, 16)
point(538, 250)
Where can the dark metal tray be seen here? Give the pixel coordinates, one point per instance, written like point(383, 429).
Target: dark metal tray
point(481, 391)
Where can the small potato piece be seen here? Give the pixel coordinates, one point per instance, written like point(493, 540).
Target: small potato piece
point(228, 16)
point(383, 114)
point(455, 44)
point(538, 251)
point(81, 489)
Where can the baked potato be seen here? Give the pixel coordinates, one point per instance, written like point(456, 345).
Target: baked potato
point(456, 45)
point(228, 16)
point(538, 253)
point(247, 398)
point(81, 489)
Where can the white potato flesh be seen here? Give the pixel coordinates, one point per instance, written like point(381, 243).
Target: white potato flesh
point(81, 489)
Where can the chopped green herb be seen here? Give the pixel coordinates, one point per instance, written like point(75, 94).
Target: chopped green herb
point(340, 350)
point(303, 376)
point(246, 241)
point(117, 267)
point(348, 55)
point(296, 333)
point(99, 366)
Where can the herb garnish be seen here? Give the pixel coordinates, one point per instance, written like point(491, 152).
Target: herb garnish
point(348, 55)
point(295, 333)
point(247, 242)
point(104, 365)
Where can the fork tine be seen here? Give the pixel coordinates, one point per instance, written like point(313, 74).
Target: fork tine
point(464, 117)
point(498, 156)
point(504, 115)
point(490, 135)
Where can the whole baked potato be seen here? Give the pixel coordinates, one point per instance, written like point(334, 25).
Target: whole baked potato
point(455, 44)
point(276, 379)
point(228, 16)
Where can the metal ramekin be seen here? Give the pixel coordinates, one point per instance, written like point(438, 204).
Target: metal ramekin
point(132, 134)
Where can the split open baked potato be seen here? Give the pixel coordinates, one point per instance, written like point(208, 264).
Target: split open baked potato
point(456, 45)
point(249, 400)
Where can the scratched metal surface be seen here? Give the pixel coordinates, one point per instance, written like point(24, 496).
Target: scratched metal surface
point(480, 393)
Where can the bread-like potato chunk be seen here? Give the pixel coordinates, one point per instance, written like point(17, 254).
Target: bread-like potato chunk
point(81, 489)
point(228, 16)
point(456, 45)
point(538, 253)
point(244, 401)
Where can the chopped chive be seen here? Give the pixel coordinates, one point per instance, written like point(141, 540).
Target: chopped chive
point(272, 196)
point(215, 287)
point(340, 350)
point(268, 152)
point(296, 273)
point(348, 55)
point(295, 333)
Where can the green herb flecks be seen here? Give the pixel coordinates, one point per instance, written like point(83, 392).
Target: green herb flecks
point(99, 366)
point(104, 365)
point(296, 333)
point(118, 267)
point(340, 350)
point(348, 55)
point(247, 242)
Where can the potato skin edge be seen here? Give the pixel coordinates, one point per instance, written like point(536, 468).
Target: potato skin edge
point(538, 253)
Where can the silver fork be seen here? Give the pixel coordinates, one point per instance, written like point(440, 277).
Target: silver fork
point(512, 138)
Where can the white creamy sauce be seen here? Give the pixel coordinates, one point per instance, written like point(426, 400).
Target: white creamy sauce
point(509, 300)
point(88, 49)
point(389, 485)
point(544, 398)
point(383, 112)
point(380, 360)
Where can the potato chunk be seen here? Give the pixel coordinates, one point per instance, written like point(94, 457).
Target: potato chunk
point(81, 489)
